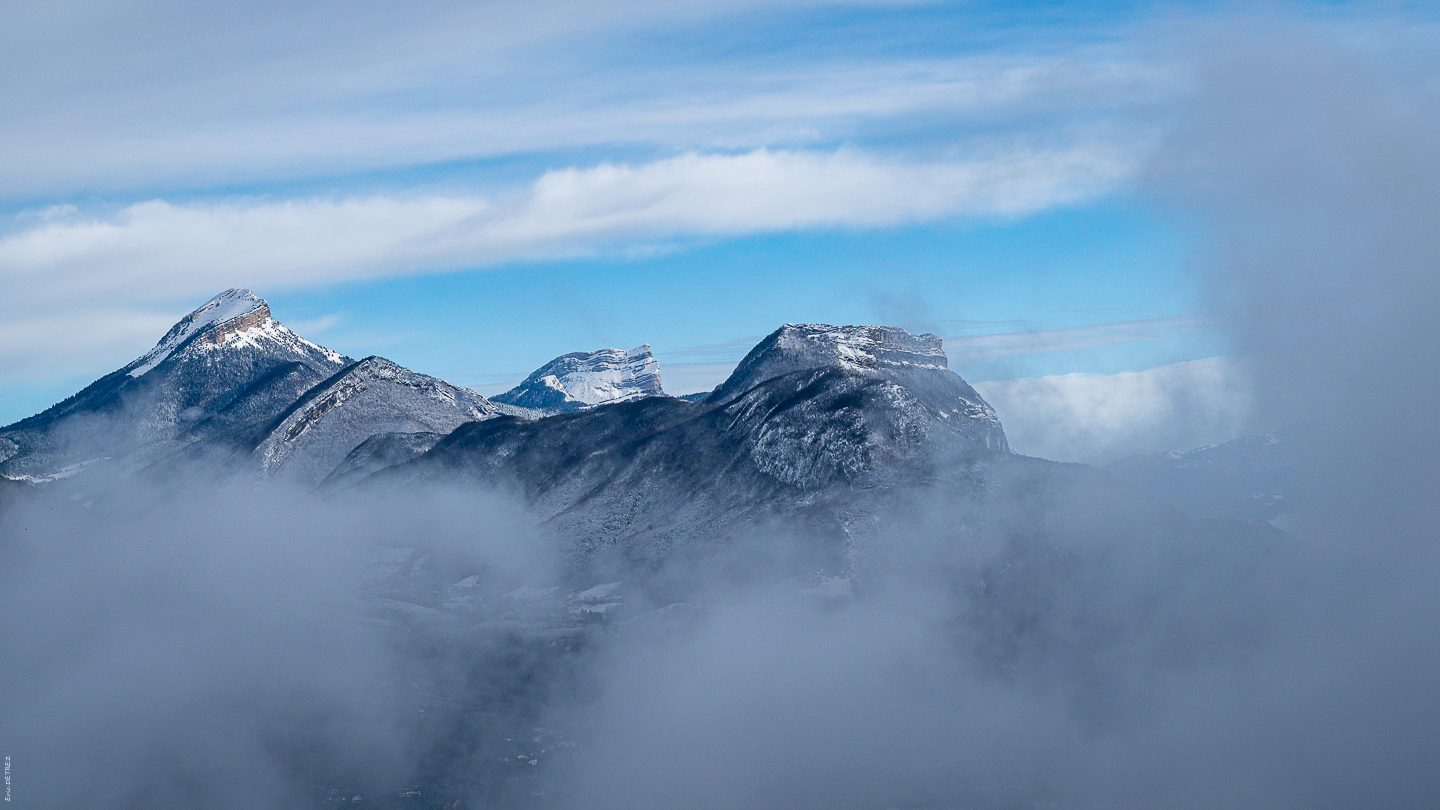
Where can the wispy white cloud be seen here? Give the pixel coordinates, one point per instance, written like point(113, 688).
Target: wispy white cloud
point(972, 348)
point(189, 247)
point(53, 342)
point(70, 265)
point(112, 102)
point(317, 326)
point(729, 352)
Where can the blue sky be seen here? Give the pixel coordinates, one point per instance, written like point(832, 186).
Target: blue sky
point(706, 304)
point(473, 188)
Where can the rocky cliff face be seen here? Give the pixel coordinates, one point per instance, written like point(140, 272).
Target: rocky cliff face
point(874, 350)
point(580, 380)
point(916, 363)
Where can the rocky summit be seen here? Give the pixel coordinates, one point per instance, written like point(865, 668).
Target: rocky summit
point(580, 380)
point(916, 363)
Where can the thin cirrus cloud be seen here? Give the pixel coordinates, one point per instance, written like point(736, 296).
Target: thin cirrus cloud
point(724, 107)
point(112, 102)
point(970, 348)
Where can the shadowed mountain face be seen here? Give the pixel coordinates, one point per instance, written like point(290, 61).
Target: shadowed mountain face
point(914, 362)
point(230, 381)
point(216, 378)
point(580, 380)
point(819, 445)
point(373, 396)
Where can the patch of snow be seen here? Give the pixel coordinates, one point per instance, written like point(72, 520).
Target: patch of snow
point(594, 378)
point(863, 346)
point(273, 333)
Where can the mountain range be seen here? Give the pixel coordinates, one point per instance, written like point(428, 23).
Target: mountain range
point(230, 381)
point(829, 427)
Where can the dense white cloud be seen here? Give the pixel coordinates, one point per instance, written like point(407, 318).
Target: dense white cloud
point(1097, 418)
point(566, 212)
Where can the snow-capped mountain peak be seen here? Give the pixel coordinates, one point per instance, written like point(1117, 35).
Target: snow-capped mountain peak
point(217, 377)
point(584, 379)
point(864, 349)
point(914, 362)
point(236, 316)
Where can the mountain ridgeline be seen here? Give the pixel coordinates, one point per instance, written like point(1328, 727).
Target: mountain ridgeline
point(810, 407)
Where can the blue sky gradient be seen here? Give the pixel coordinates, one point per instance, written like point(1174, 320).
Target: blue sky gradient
point(471, 189)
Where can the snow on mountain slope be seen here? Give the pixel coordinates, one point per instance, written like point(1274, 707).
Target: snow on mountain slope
point(217, 377)
point(796, 347)
point(915, 362)
point(580, 380)
point(242, 318)
point(373, 396)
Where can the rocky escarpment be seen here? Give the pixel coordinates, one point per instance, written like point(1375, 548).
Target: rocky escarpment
point(917, 363)
point(580, 380)
point(227, 329)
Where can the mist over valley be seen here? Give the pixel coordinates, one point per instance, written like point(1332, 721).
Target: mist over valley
point(656, 405)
